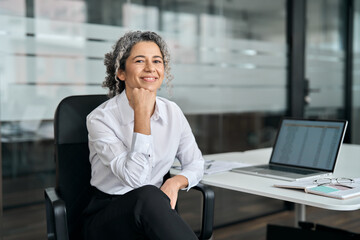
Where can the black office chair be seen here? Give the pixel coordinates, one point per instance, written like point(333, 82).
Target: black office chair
point(65, 203)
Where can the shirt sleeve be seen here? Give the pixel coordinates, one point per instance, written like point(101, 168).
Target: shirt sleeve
point(189, 155)
point(133, 164)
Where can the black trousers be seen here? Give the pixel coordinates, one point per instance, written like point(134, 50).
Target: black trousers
point(143, 213)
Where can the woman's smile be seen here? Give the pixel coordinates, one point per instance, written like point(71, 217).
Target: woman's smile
point(149, 79)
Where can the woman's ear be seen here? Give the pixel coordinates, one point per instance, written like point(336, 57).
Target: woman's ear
point(121, 75)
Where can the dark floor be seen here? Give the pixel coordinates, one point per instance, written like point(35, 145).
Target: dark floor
point(28, 222)
point(256, 229)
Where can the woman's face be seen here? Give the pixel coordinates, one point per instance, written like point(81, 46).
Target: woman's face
point(144, 68)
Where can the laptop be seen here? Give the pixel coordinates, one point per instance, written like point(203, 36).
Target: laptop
point(303, 149)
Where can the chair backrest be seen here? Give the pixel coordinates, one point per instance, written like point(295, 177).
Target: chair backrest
point(73, 170)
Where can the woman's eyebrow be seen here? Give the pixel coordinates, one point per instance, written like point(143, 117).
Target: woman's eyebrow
point(139, 56)
point(142, 56)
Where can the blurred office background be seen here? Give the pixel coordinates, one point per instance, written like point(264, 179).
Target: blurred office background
point(232, 61)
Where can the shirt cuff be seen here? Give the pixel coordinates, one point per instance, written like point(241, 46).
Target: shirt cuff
point(191, 179)
point(142, 143)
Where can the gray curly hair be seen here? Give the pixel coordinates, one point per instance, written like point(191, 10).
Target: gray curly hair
point(116, 59)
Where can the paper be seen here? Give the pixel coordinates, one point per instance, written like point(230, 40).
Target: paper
point(212, 166)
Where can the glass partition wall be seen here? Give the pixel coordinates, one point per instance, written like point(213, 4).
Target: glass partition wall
point(325, 59)
point(228, 60)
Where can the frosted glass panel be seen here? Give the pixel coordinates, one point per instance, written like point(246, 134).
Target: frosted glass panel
point(64, 57)
point(325, 59)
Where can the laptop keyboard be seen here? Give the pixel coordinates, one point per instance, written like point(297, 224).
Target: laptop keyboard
point(292, 170)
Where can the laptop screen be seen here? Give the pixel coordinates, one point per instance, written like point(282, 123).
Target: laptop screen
point(311, 144)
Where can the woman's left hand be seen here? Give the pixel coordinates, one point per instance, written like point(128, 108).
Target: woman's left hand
point(172, 186)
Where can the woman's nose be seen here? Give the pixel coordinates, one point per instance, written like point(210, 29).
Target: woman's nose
point(149, 66)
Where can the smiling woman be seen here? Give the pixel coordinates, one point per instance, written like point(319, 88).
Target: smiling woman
point(133, 140)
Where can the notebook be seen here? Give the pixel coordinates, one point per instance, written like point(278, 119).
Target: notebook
point(303, 149)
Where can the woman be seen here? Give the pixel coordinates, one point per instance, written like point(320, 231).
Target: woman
point(133, 139)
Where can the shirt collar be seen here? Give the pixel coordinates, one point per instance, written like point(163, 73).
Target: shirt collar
point(160, 111)
point(127, 113)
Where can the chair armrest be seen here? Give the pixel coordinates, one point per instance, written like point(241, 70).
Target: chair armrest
point(208, 211)
point(55, 216)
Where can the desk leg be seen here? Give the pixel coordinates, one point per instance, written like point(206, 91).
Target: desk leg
point(300, 213)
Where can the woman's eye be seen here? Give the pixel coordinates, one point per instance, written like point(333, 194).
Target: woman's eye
point(139, 61)
point(157, 61)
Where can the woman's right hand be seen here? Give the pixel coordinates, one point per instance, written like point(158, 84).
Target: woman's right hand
point(143, 103)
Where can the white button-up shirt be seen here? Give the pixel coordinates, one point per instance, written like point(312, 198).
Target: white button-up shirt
point(122, 160)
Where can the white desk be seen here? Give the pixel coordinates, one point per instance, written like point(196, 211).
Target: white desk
point(348, 165)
